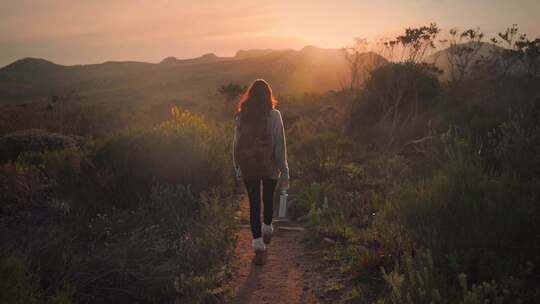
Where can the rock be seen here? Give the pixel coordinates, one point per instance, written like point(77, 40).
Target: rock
point(33, 140)
point(329, 240)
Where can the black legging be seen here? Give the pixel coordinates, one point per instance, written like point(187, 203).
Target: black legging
point(253, 187)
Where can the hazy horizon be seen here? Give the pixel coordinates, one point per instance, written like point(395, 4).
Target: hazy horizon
point(68, 32)
point(179, 58)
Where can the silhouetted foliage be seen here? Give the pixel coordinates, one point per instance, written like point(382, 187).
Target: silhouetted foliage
point(231, 93)
point(462, 52)
point(413, 45)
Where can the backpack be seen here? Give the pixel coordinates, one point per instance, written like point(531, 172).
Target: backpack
point(254, 150)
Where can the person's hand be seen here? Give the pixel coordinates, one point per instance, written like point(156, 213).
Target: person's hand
point(238, 181)
point(284, 184)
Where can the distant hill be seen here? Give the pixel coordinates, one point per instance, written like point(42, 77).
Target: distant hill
point(487, 50)
point(252, 53)
point(194, 80)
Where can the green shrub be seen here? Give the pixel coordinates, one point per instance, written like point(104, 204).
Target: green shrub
point(181, 151)
point(306, 199)
point(18, 284)
point(64, 295)
point(486, 292)
point(149, 254)
point(470, 218)
point(414, 282)
point(154, 253)
point(417, 281)
point(390, 110)
point(125, 221)
point(411, 82)
point(516, 147)
point(21, 185)
point(316, 154)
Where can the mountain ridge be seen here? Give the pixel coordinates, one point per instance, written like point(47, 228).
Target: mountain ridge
point(240, 54)
point(310, 69)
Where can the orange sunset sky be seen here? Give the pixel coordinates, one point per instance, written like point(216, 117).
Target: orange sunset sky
point(93, 31)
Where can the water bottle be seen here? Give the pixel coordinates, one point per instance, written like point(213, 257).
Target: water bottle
point(283, 203)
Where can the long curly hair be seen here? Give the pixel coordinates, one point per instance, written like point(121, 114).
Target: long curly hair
point(256, 103)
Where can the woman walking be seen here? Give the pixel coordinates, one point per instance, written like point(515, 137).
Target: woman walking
point(260, 158)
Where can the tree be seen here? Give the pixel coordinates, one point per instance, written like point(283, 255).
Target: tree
point(360, 60)
point(516, 48)
point(508, 55)
point(394, 96)
point(352, 55)
point(530, 55)
point(396, 92)
point(413, 46)
point(462, 52)
point(231, 92)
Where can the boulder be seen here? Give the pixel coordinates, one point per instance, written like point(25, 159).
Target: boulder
point(33, 140)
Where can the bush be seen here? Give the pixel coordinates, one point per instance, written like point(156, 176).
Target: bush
point(181, 151)
point(470, 219)
point(392, 105)
point(125, 221)
point(18, 283)
point(414, 282)
point(516, 145)
point(415, 83)
point(154, 252)
point(21, 185)
point(417, 281)
point(14, 144)
point(147, 253)
point(316, 154)
point(64, 295)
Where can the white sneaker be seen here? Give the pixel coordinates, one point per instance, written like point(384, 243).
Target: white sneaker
point(267, 231)
point(258, 245)
point(260, 250)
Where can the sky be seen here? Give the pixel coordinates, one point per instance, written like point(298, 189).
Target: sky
point(93, 31)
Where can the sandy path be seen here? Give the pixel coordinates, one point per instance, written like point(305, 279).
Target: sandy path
point(279, 280)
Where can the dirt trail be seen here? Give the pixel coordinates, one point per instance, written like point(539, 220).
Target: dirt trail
point(280, 279)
